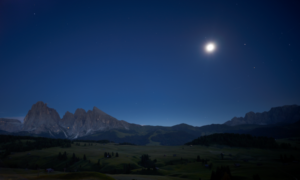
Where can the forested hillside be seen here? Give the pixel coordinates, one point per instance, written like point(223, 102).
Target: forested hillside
point(9, 143)
point(238, 140)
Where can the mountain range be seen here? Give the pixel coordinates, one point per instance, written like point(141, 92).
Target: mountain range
point(97, 125)
point(283, 114)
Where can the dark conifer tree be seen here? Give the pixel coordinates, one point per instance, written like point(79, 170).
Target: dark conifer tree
point(64, 156)
point(213, 176)
point(59, 156)
point(256, 177)
point(154, 168)
point(284, 158)
point(84, 157)
point(198, 158)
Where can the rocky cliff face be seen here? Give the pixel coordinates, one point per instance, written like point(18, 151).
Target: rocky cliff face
point(284, 114)
point(42, 119)
point(83, 123)
point(10, 125)
point(73, 123)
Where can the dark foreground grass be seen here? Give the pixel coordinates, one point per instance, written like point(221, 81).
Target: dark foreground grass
point(173, 162)
point(77, 175)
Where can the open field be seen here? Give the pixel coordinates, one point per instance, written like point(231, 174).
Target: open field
point(173, 162)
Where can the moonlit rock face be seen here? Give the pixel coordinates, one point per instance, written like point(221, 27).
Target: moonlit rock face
point(82, 123)
point(210, 47)
point(41, 118)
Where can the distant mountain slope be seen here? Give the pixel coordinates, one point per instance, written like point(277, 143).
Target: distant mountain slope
point(173, 138)
point(283, 114)
point(235, 140)
point(114, 135)
point(175, 135)
point(10, 125)
point(277, 131)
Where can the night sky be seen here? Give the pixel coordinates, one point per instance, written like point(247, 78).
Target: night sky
point(145, 62)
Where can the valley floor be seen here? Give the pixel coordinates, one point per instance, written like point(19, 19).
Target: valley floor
point(173, 162)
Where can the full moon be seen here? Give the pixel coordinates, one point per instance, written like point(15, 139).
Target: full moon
point(210, 47)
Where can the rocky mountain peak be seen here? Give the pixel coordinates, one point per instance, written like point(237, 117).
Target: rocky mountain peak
point(67, 121)
point(41, 118)
point(95, 109)
point(98, 112)
point(68, 115)
point(79, 112)
point(39, 104)
point(40, 108)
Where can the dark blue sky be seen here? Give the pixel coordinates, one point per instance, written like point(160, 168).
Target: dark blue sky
point(144, 61)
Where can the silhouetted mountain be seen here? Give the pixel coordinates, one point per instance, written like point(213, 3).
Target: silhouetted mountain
point(10, 125)
point(283, 114)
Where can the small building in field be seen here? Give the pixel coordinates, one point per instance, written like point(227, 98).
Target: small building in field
point(237, 165)
point(49, 170)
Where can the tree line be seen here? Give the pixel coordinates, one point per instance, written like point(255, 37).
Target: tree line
point(93, 141)
point(238, 140)
point(27, 143)
point(108, 155)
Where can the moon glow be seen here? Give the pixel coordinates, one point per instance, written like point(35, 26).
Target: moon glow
point(210, 47)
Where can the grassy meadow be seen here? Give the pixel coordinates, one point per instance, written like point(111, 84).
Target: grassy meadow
point(173, 162)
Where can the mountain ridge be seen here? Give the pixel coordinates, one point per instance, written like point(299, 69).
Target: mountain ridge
point(96, 124)
point(286, 114)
